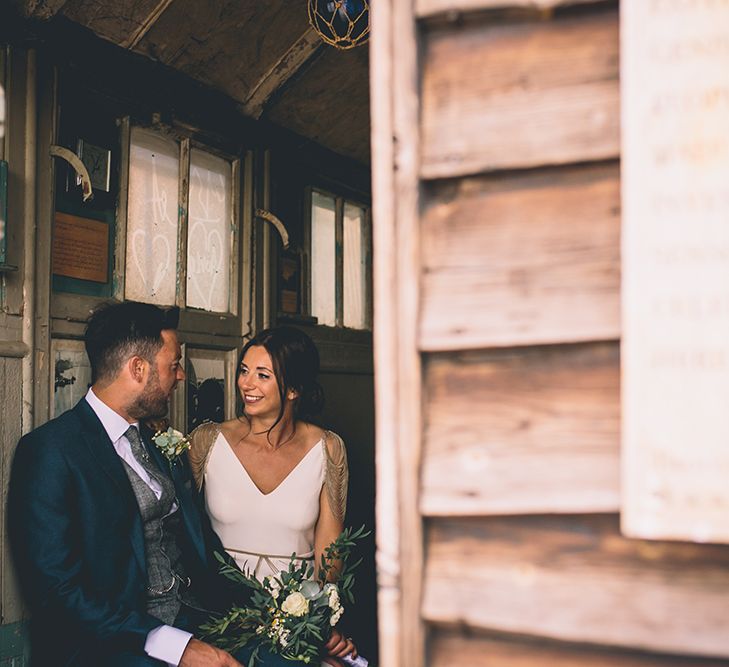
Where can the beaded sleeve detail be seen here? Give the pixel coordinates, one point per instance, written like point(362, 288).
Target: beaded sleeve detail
point(201, 444)
point(336, 474)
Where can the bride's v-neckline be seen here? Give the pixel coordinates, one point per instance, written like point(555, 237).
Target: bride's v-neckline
point(283, 481)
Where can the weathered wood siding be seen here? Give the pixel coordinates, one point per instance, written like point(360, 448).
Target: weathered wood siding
point(516, 454)
point(521, 259)
point(522, 430)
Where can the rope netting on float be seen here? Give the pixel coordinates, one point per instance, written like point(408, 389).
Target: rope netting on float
point(343, 24)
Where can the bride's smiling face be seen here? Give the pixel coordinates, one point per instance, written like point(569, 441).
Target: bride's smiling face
point(257, 383)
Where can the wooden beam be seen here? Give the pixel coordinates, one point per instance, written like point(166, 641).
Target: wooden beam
point(146, 24)
point(576, 579)
point(280, 72)
point(427, 8)
point(544, 438)
point(394, 105)
point(385, 348)
point(404, 329)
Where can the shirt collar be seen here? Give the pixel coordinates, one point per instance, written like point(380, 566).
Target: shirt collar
point(114, 424)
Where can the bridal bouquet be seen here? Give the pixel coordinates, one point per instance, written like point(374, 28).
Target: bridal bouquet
point(290, 614)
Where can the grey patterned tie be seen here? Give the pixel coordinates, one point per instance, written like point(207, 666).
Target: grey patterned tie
point(140, 453)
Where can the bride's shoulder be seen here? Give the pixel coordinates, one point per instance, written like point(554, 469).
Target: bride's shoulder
point(204, 433)
point(201, 444)
point(334, 444)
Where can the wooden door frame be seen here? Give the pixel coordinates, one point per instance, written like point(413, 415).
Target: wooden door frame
point(394, 106)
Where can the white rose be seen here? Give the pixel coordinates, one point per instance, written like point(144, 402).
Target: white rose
point(295, 604)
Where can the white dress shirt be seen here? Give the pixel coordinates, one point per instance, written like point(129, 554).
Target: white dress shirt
point(165, 642)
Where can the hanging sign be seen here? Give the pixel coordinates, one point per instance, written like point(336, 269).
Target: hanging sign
point(675, 348)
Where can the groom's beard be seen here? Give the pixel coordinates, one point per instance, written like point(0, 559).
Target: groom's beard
point(152, 403)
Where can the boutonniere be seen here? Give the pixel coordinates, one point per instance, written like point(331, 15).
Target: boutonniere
point(171, 443)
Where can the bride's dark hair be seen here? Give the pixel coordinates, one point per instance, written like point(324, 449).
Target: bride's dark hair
point(295, 362)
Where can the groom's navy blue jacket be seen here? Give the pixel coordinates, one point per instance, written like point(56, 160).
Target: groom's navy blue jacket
point(78, 542)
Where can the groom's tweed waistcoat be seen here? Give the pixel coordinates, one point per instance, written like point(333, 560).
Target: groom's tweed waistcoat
point(162, 551)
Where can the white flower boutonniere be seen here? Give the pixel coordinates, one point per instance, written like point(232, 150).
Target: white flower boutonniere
point(171, 443)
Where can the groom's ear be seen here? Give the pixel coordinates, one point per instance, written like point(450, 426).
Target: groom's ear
point(137, 368)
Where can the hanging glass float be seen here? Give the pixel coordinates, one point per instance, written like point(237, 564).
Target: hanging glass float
point(343, 24)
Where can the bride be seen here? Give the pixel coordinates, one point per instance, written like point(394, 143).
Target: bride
point(274, 483)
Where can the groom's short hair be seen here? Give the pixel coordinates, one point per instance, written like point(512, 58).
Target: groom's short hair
point(117, 331)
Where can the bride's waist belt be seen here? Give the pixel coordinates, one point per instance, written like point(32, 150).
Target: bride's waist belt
point(269, 559)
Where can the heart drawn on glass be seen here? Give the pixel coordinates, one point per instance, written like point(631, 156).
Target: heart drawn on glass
point(205, 262)
point(147, 254)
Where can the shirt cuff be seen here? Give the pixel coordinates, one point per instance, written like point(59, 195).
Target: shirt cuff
point(167, 644)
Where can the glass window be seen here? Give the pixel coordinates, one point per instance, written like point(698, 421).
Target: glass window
point(152, 218)
point(339, 256)
point(355, 258)
point(323, 258)
point(157, 178)
point(209, 232)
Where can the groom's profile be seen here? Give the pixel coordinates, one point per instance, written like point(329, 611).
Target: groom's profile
point(113, 554)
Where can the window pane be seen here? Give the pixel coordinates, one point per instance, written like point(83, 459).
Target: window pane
point(209, 233)
point(151, 265)
point(355, 256)
point(206, 379)
point(323, 256)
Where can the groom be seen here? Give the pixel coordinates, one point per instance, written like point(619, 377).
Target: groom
point(111, 550)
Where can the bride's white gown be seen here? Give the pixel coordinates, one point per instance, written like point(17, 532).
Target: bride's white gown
point(262, 530)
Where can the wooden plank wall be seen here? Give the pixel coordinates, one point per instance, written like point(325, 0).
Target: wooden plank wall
point(518, 336)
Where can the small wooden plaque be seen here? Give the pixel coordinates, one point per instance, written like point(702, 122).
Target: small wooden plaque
point(80, 248)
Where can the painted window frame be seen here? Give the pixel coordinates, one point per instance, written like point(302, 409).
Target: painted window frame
point(228, 323)
point(340, 198)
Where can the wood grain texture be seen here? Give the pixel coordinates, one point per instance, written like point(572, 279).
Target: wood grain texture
point(577, 579)
point(119, 21)
point(519, 431)
point(520, 95)
point(385, 349)
point(476, 651)
point(284, 68)
point(522, 259)
point(250, 51)
point(146, 25)
point(404, 330)
point(226, 44)
point(396, 230)
point(427, 8)
point(329, 102)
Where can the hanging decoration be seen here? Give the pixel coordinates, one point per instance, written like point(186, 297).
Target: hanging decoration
point(343, 24)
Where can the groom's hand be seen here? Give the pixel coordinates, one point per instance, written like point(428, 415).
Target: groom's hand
point(200, 654)
point(338, 646)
